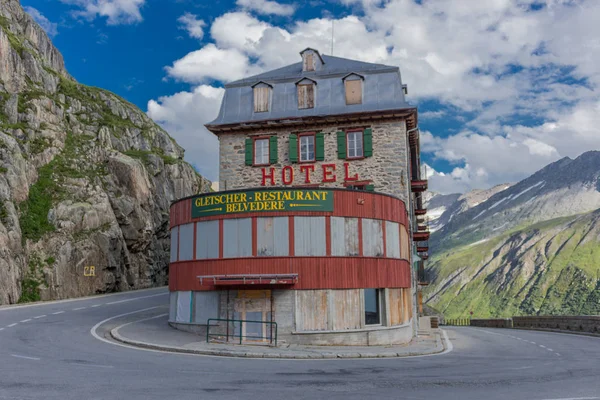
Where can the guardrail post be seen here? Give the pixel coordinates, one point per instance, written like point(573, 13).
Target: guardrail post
point(241, 330)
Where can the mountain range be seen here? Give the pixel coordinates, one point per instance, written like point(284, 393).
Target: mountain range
point(529, 248)
point(86, 178)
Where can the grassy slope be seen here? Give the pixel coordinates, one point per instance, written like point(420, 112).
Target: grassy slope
point(565, 282)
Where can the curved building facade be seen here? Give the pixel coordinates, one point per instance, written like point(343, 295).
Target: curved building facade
point(312, 237)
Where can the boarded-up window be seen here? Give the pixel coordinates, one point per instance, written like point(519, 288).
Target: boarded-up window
point(273, 236)
point(206, 305)
point(186, 242)
point(261, 99)
point(399, 313)
point(309, 62)
point(372, 234)
point(174, 242)
point(237, 237)
point(392, 239)
point(306, 96)
point(344, 236)
point(309, 236)
point(311, 310)
point(404, 243)
point(346, 306)
point(173, 306)
point(184, 307)
point(353, 91)
point(207, 240)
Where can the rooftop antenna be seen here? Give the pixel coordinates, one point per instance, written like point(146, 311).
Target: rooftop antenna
point(332, 21)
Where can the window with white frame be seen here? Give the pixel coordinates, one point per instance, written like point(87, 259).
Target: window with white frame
point(261, 151)
point(307, 148)
point(355, 144)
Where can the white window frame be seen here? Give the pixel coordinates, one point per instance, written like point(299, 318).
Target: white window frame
point(352, 148)
point(305, 155)
point(261, 152)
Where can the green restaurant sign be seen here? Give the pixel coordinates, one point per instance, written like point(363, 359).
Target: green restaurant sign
point(262, 201)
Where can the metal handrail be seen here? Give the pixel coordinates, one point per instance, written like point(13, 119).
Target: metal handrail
point(241, 321)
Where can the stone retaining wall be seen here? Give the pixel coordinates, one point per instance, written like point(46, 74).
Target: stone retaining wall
point(583, 324)
point(493, 323)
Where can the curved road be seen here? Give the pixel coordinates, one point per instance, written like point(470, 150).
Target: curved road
point(47, 351)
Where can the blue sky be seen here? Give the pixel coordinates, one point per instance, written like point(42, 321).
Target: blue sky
point(503, 87)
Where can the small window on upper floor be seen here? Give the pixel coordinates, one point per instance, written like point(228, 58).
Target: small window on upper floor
point(309, 62)
point(262, 97)
point(306, 93)
point(353, 84)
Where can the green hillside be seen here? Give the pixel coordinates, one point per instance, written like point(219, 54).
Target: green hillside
point(549, 268)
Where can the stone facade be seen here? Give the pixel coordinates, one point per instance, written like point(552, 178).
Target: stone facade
point(386, 169)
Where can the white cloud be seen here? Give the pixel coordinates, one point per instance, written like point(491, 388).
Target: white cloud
point(193, 25)
point(267, 7)
point(183, 115)
point(210, 62)
point(494, 62)
point(116, 11)
point(51, 28)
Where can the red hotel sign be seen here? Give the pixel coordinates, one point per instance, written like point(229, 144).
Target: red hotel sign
point(307, 171)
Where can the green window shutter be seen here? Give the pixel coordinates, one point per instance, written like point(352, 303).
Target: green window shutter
point(273, 150)
point(370, 188)
point(320, 146)
point(249, 151)
point(294, 148)
point(368, 142)
point(341, 141)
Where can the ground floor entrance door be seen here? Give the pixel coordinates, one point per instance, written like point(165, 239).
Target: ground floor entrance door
point(252, 308)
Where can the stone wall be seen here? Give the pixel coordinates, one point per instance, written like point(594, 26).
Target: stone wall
point(387, 168)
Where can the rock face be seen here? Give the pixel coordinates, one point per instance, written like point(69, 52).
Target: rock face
point(565, 187)
point(532, 248)
point(86, 178)
point(443, 208)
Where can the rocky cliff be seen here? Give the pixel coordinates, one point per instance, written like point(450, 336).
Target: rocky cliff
point(86, 178)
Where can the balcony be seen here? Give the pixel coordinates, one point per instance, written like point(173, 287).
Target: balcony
point(422, 275)
point(420, 211)
point(419, 185)
point(423, 247)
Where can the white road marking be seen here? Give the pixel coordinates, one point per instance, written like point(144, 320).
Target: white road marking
point(80, 308)
point(557, 354)
point(533, 342)
point(58, 312)
point(136, 298)
point(549, 349)
point(96, 305)
point(542, 346)
point(26, 320)
point(45, 303)
point(11, 325)
point(25, 357)
point(39, 316)
point(1, 329)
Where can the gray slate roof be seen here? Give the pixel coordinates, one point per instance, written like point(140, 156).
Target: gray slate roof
point(382, 90)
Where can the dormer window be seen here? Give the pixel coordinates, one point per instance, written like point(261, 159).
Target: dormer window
point(306, 93)
point(353, 85)
point(262, 97)
point(311, 60)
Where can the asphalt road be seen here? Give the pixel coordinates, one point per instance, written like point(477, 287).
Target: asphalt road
point(47, 351)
